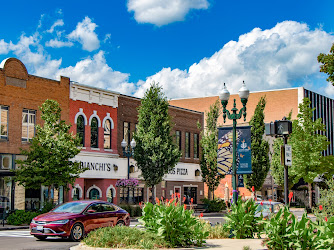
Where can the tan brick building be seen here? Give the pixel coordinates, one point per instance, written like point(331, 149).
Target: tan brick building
point(20, 96)
point(279, 104)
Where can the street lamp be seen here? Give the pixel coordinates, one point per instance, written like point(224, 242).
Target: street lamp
point(128, 152)
point(224, 96)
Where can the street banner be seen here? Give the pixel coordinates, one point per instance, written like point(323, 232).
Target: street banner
point(225, 150)
point(241, 180)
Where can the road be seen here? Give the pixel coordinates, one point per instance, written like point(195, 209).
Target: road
point(21, 239)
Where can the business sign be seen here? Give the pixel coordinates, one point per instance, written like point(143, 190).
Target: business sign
point(288, 155)
point(225, 150)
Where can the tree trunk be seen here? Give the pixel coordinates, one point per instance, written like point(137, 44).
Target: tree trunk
point(209, 194)
point(310, 194)
point(49, 194)
point(153, 194)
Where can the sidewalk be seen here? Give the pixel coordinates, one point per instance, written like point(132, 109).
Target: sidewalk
point(235, 244)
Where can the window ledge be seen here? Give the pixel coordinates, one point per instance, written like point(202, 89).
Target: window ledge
point(109, 150)
point(96, 149)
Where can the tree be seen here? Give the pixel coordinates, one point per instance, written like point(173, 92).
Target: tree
point(260, 149)
point(156, 153)
point(48, 161)
point(209, 140)
point(327, 66)
point(307, 146)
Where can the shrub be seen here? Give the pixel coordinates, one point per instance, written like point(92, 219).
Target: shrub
point(215, 205)
point(20, 217)
point(133, 210)
point(326, 201)
point(284, 231)
point(241, 220)
point(47, 206)
point(124, 237)
point(174, 223)
point(219, 231)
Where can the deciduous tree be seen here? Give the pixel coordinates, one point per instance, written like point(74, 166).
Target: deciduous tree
point(48, 161)
point(156, 153)
point(327, 64)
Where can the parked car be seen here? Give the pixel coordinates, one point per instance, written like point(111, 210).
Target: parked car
point(267, 208)
point(77, 218)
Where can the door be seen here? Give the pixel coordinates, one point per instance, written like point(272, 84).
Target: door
point(109, 215)
point(94, 217)
point(94, 194)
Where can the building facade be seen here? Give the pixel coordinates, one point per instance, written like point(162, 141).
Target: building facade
point(279, 104)
point(21, 95)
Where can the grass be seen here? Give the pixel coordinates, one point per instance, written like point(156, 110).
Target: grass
point(218, 231)
point(124, 237)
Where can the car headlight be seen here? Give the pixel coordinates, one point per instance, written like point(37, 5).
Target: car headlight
point(33, 221)
point(58, 222)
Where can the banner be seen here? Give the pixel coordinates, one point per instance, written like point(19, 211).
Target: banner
point(241, 180)
point(225, 150)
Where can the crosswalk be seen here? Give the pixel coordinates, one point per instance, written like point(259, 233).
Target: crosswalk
point(26, 233)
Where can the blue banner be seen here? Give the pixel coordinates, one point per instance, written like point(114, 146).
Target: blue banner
point(225, 150)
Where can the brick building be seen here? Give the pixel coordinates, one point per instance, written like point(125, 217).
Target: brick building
point(21, 95)
point(185, 179)
point(279, 104)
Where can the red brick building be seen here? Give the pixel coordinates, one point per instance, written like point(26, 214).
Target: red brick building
point(21, 95)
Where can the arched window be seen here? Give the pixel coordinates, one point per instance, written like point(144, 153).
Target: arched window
point(94, 194)
point(94, 128)
point(76, 194)
point(110, 196)
point(107, 134)
point(81, 129)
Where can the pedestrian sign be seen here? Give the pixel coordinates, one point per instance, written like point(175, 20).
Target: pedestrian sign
point(288, 155)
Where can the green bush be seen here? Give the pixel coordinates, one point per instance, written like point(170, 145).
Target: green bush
point(215, 205)
point(326, 201)
point(284, 231)
point(133, 210)
point(20, 217)
point(219, 231)
point(47, 206)
point(241, 220)
point(124, 237)
point(173, 223)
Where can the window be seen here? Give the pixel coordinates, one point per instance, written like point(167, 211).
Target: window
point(76, 194)
point(136, 195)
point(108, 208)
point(81, 129)
point(4, 122)
point(110, 196)
point(187, 153)
point(126, 132)
point(190, 192)
point(28, 124)
point(107, 134)
point(178, 139)
point(94, 194)
point(196, 146)
point(94, 131)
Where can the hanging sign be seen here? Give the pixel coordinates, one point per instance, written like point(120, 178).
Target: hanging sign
point(225, 150)
point(241, 180)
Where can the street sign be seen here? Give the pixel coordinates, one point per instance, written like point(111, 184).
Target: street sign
point(288, 155)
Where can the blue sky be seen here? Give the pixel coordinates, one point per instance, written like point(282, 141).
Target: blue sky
point(191, 47)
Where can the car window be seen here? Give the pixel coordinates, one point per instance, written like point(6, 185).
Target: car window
point(96, 207)
point(72, 207)
point(108, 208)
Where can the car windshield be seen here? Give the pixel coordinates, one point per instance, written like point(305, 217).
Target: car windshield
point(264, 208)
point(70, 208)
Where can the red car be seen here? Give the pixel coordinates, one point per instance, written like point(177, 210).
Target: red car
point(77, 218)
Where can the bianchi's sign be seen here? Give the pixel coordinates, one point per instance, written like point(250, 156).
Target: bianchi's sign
point(97, 166)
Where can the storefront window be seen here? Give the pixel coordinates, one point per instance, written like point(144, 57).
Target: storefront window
point(5, 193)
point(32, 199)
point(136, 195)
point(190, 192)
point(94, 194)
point(76, 194)
point(110, 197)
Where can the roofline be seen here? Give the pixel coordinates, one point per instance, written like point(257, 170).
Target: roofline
point(172, 106)
point(91, 87)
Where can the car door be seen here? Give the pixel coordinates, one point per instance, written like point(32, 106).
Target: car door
point(110, 215)
point(93, 217)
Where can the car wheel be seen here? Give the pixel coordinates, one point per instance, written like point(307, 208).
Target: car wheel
point(120, 223)
point(77, 232)
point(39, 237)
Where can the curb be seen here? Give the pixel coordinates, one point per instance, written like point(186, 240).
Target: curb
point(13, 228)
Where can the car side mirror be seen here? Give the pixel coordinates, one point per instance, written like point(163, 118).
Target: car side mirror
point(91, 211)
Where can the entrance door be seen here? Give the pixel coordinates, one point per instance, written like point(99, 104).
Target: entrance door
point(94, 194)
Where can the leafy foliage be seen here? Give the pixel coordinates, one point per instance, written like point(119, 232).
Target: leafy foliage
point(209, 139)
point(215, 205)
point(284, 231)
point(48, 161)
point(156, 153)
point(20, 217)
point(326, 201)
point(327, 66)
point(307, 147)
point(218, 231)
point(173, 223)
point(124, 237)
point(133, 210)
point(260, 149)
point(241, 220)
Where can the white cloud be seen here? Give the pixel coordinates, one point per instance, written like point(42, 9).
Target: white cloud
point(4, 47)
point(162, 12)
point(84, 34)
point(265, 59)
point(55, 43)
point(57, 23)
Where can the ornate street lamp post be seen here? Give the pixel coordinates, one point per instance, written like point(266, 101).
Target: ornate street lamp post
point(128, 152)
point(224, 96)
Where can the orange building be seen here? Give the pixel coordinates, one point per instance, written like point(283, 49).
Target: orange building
point(279, 104)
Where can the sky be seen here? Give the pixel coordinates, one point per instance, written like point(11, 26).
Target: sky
point(191, 47)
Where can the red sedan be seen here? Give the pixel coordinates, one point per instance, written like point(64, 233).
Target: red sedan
point(77, 218)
